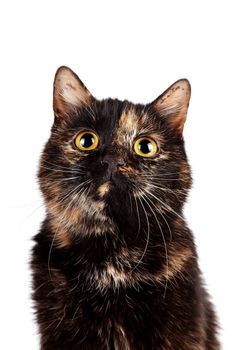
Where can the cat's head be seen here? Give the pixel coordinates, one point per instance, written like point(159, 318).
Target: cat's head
point(106, 159)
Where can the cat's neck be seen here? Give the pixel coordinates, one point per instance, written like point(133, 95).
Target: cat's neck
point(115, 259)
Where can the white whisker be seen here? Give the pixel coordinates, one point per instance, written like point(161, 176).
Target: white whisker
point(147, 238)
point(139, 222)
point(61, 219)
point(163, 238)
point(164, 204)
point(58, 170)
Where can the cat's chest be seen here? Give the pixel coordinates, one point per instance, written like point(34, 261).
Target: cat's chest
point(116, 271)
point(120, 338)
point(106, 306)
point(110, 276)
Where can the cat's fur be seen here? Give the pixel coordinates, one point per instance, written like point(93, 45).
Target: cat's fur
point(114, 264)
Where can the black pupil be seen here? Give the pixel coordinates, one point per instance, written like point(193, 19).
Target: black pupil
point(145, 146)
point(87, 140)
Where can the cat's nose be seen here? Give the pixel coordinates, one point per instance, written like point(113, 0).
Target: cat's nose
point(112, 163)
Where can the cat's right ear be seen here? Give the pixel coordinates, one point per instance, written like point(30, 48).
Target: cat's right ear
point(69, 93)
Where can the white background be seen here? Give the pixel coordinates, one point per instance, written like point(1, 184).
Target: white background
point(124, 49)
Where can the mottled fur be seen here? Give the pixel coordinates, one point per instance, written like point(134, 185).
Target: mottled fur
point(114, 264)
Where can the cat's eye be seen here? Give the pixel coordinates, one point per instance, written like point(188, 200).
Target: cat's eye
point(86, 141)
point(145, 147)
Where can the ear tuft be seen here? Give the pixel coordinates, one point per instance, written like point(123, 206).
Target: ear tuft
point(173, 104)
point(69, 93)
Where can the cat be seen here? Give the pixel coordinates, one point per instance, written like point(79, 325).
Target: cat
point(114, 264)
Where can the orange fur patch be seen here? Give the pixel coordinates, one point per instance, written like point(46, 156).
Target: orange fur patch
point(176, 262)
point(103, 189)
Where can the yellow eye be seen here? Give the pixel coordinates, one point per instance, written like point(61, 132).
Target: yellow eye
point(86, 141)
point(145, 147)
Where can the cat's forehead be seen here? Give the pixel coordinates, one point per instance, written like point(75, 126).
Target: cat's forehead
point(126, 120)
point(133, 123)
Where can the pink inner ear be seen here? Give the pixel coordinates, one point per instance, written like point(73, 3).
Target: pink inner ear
point(69, 92)
point(173, 104)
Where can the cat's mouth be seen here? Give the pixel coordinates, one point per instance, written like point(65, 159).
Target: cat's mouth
point(110, 185)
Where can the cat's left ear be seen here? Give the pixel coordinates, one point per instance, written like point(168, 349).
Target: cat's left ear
point(173, 104)
point(69, 93)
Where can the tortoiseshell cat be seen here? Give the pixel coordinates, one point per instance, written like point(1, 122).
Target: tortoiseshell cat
point(114, 264)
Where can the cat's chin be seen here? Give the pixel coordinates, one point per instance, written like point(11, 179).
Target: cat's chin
point(110, 187)
point(107, 188)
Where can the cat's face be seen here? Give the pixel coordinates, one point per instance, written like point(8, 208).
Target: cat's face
point(107, 158)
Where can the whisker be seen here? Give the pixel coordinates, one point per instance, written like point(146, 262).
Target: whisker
point(160, 178)
point(139, 222)
point(164, 204)
point(176, 192)
point(162, 174)
point(32, 213)
point(61, 166)
point(70, 178)
point(163, 238)
point(167, 189)
point(73, 190)
point(58, 170)
point(54, 164)
point(63, 179)
point(168, 226)
point(60, 221)
point(159, 211)
point(147, 238)
point(131, 206)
